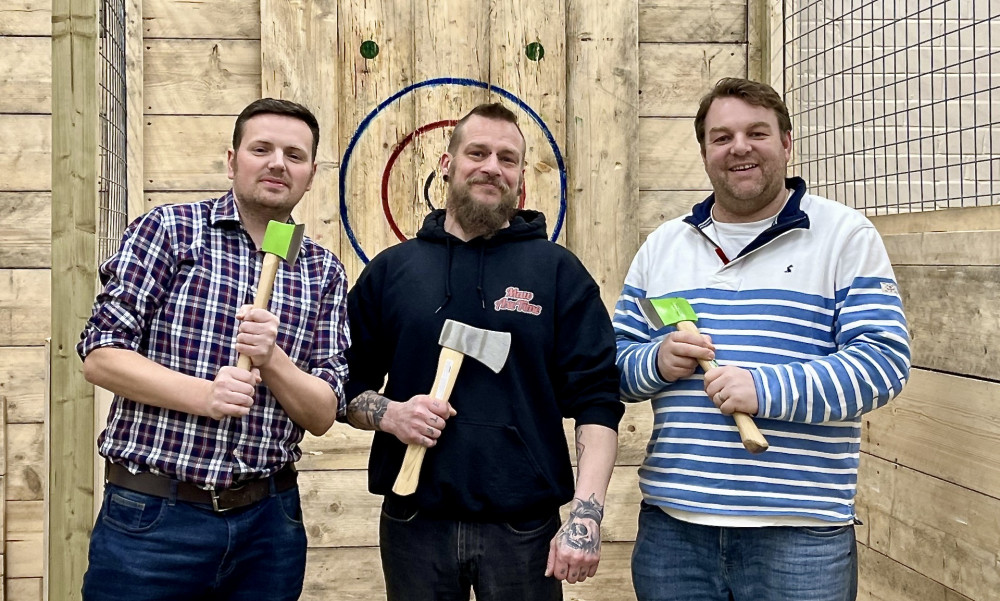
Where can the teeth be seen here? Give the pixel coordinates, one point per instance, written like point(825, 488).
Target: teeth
point(743, 167)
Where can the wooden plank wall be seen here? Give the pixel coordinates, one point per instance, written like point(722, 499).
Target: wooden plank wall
point(929, 486)
point(25, 251)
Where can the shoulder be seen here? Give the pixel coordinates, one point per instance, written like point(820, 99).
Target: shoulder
point(825, 212)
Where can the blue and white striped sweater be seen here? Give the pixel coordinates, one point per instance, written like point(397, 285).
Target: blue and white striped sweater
point(814, 314)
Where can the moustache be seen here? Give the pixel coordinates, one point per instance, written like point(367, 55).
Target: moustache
point(486, 179)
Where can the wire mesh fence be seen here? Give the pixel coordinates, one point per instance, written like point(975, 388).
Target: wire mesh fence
point(894, 102)
point(112, 215)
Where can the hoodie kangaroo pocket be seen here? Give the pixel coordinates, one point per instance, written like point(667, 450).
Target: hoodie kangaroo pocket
point(493, 467)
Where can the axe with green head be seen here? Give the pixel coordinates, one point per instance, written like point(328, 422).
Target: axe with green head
point(282, 242)
point(662, 312)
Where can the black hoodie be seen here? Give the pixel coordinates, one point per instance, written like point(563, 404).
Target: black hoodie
point(504, 455)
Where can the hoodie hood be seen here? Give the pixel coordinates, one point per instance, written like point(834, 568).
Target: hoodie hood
point(525, 225)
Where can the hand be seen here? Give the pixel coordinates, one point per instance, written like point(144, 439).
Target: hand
point(257, 333)
point(231, 393)
point(575, 550)
point(418, 420)
point(732, 389)
point(679, 352)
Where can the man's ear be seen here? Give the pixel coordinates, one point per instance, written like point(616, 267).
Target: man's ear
point(444, 164)
point(230, 162)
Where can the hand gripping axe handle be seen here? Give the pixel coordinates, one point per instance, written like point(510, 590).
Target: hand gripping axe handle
point(457, 341)
point(282, 242)
point(661, 312)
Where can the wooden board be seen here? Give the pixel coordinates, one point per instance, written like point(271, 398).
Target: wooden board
point(605, 164)
point(693, 70)
point(26, 470)
point(948, 220)
point(25, 153)
point(22, 383)
point(944, 248)
point(338, 510)
point(212, 19)
point(669, 155)
point(311, 27)
point(24, 307)
point(24, 589)
point(882, 579)
point(134, 75)
point(25, 81)
point(541, 85)
point(26, 17)
point(943, 426)
point(186, 152)
point(659, 206)
point(25, 220)
point(365, 84)
point(953, 319)
point(24, 543)
point(692, 20)
point(200, 76)
point(341, 448)
point(945, 532)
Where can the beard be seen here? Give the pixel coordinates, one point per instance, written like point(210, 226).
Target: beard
point(477, 218)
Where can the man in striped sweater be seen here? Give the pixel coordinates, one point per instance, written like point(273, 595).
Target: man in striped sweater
point(797, 302)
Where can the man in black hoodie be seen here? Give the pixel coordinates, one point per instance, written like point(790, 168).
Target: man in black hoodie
point(485, 513)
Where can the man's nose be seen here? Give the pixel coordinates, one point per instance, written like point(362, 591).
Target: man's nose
point(276, 160)
point(741, 144)
point(491, 165)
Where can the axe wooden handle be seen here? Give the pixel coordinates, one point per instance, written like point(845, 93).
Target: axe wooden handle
point(752, 439)
point(447, 372)
point(263, 297)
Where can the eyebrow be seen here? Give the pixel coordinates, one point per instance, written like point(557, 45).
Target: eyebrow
point(753, 125)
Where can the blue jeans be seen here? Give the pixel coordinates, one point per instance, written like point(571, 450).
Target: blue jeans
point(429, 559)
point(679, 561)
point(146, 548)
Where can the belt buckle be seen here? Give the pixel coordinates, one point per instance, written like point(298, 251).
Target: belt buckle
point(215, 499)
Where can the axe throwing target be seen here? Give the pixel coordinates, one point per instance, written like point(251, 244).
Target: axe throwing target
point(426, 186)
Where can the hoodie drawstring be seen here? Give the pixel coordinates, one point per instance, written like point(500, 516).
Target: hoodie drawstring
point(479, 284)
point(447, 277)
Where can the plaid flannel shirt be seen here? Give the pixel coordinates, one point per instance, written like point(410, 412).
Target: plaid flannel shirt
point(171, 293)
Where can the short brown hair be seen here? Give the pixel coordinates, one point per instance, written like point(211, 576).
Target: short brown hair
point(750, 92)
point(495, 111)
point(276, 106)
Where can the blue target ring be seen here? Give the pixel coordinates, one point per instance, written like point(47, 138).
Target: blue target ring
point(345, 162)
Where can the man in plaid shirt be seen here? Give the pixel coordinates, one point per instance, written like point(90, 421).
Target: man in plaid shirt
point(201, 498)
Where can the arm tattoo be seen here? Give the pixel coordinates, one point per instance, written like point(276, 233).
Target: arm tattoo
point(365, 412)
point(583, 528)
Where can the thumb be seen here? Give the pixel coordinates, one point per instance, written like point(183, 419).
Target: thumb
point(550, 563)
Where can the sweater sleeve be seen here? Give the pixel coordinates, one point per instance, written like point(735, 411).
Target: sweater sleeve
point(872, 360)
point(637, 342)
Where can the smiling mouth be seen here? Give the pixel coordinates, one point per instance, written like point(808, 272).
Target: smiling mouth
point(740, 168)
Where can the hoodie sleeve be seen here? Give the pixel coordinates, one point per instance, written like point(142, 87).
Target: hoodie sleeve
point(872, 361)
point(370, 351)
point(586, 383)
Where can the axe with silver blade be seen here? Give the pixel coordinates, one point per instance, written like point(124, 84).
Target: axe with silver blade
point(457, 340)
point(282, 242)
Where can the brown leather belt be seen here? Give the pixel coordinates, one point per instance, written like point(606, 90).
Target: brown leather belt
point(242, 495)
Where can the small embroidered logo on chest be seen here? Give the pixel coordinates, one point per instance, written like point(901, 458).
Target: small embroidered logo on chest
point(789, 269)
point(515, 299)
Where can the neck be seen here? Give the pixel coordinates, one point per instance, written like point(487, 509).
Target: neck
point(256, 224)
point(772, 208)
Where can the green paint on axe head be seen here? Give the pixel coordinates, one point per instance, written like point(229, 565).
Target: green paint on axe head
point(283, 239)
point(662, 312)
